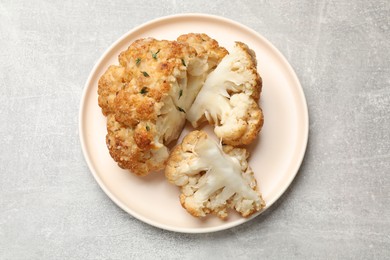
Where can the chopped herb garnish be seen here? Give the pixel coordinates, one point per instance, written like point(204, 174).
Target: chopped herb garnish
point(183, 62)
point(145, 73)
point(180, 93)
point(181, 109)
point(147, 128)
point(144, 90)
point(154, 55)
point(137, 61)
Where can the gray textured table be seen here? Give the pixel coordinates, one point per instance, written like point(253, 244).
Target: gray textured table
point(337, 207)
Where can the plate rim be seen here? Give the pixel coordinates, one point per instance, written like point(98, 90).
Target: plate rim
point(294, 171)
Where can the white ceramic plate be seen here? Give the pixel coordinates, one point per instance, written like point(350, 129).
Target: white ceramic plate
point(275, 157)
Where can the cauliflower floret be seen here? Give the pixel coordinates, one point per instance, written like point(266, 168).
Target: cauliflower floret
point(205, 47)
point(145, 99)
point(110, 84)
point(209, 53)
point(213, 180)
point(229, 96)
point(133, 149)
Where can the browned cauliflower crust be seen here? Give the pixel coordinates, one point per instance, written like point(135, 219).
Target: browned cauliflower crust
point(109, 85)
point(229, 98)
point(205, 47)
point(145, 99)
point(121, 142)
point(213, 180)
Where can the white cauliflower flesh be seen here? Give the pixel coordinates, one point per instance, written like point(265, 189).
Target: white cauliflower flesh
point(213, 179)
point(229, 98)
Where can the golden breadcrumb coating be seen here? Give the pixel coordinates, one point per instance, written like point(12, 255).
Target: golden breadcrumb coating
point(112, 81)
point(132, 149)
point(205, 46)
point(145, 99)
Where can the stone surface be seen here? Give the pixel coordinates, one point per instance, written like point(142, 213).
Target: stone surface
point(338, 205)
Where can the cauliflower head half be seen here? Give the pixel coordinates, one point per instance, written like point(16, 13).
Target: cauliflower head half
point(213, 179)
point(146, 96)
point(229, 98)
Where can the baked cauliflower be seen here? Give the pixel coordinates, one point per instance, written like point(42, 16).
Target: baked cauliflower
point(229, 98)
point(213, 179)
point(205, 47)
point(145, 99)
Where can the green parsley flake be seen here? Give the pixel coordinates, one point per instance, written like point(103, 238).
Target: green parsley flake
point(181, 109)
point(147, 128)
point(144, 90)
point(137, 61)
point(154, 55)
point(180, 93)
point(145, 73)
point(183, 62)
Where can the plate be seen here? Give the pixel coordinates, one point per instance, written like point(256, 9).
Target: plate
point(275, 157)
